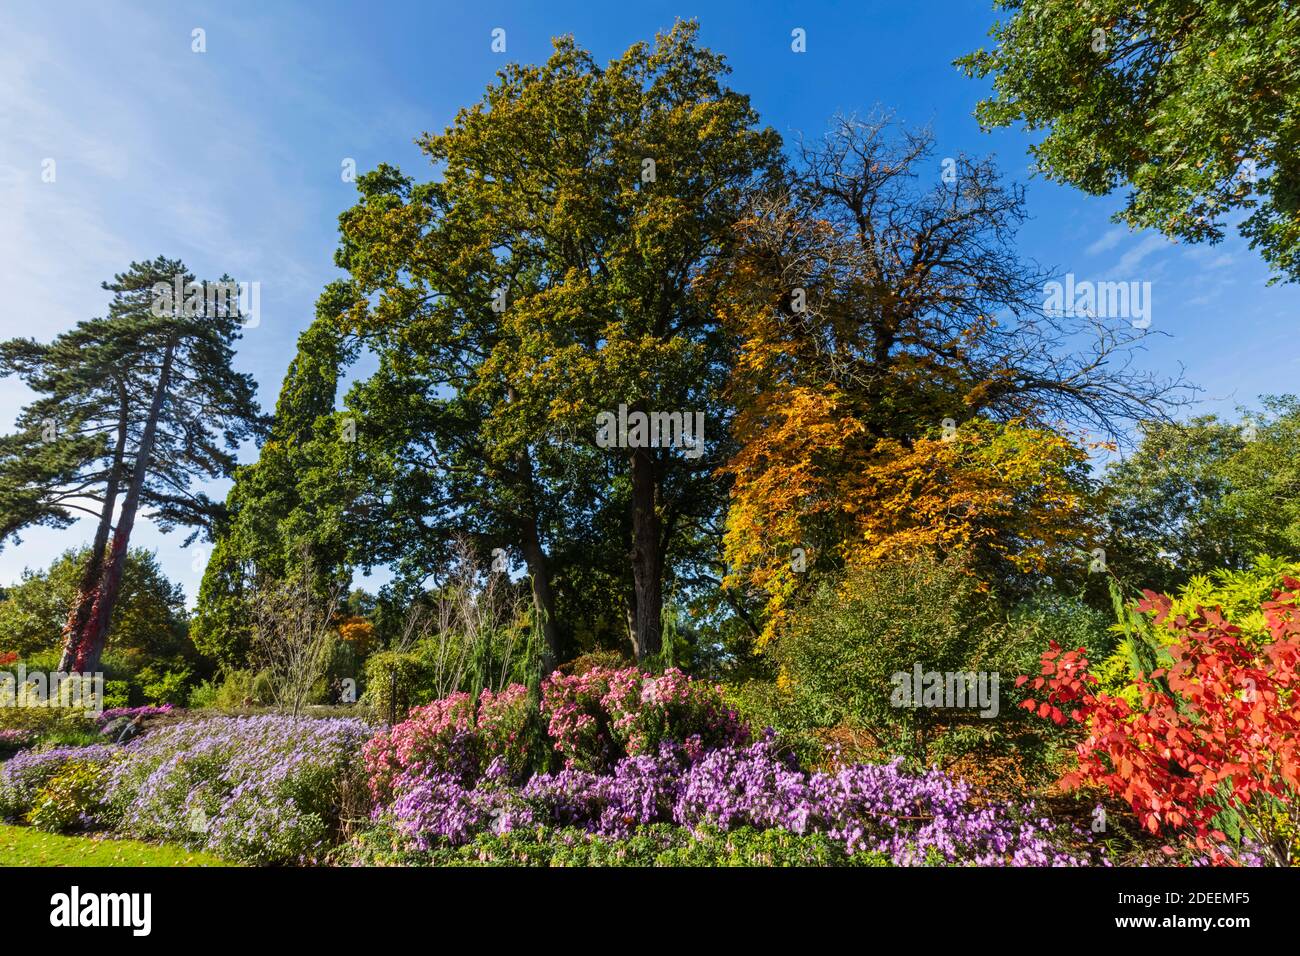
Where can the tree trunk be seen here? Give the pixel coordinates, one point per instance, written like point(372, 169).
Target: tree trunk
point(95, 634)
point(539, 573)
point(88, 588)
point(647, 558)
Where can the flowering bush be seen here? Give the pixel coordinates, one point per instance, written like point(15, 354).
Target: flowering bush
point(594, 720)
point(450, 737)
point(148, 710)
point(267, 789)
point(909, 818)
point(604, 714)
point(24, 777)
point(1217, 727)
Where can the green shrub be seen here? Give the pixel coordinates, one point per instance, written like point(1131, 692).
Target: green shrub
point(655, 845)
point(838, 658)
point(117, 693)
point(235, 690)
point(164, 686)
point(396, 681)
point(203, 695)
point(55, 725)
point(71, 799)
point(263, 689)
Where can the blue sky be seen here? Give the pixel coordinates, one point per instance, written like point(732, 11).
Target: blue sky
point(230, 159)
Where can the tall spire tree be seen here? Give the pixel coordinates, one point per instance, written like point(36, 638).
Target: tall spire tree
point(136, 406)
point(288, 499)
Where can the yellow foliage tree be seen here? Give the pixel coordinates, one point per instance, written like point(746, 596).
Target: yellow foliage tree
point(815, 491)
point(898, 386)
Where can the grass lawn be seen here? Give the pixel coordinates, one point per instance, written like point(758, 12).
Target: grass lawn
point(24, 846)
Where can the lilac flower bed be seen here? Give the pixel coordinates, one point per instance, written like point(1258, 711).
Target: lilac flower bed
point(252, 789)
point(912, 818)
point(267, 789)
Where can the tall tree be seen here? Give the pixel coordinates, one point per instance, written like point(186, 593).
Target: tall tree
point(1194, 105)
point(551, 276)
point(291, 500)
point(138, 405)
point(1206, 495)
point(69, 452)
point(897, 377)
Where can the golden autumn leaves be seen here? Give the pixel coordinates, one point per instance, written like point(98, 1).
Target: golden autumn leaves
point(814, 479)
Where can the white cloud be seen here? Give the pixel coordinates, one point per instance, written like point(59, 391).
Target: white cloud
point(1107, 241)
point(1135, 256)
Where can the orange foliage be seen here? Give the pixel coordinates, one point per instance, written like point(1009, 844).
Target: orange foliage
point(358, 633)
point(1008, 495)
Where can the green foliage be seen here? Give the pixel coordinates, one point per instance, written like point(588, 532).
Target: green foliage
point(655, 845)
point(70, 731)
point(234, 690)
point(396, 681)
point(291, 497)
point(150, 659)
point(117, 693)
point(1239, 593)
point(203, 695)
point(464, 430)
point(839, 655)
point(837, 665)
point(162, 686)
point(1173, 100)
point(149, 622)
point(48, 723)
point(70, 799)
point(1206, 495)
point(1033, 624)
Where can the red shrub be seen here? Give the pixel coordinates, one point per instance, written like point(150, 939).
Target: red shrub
point(1216, 728)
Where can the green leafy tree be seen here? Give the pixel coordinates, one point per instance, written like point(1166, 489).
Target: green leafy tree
point(149, 623)
point(141, 405)
point(289, 498)
point(548, 277)
point(1193, 105)
point(1206, 495)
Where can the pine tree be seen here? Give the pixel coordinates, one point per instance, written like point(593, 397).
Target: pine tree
point(131, 410)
